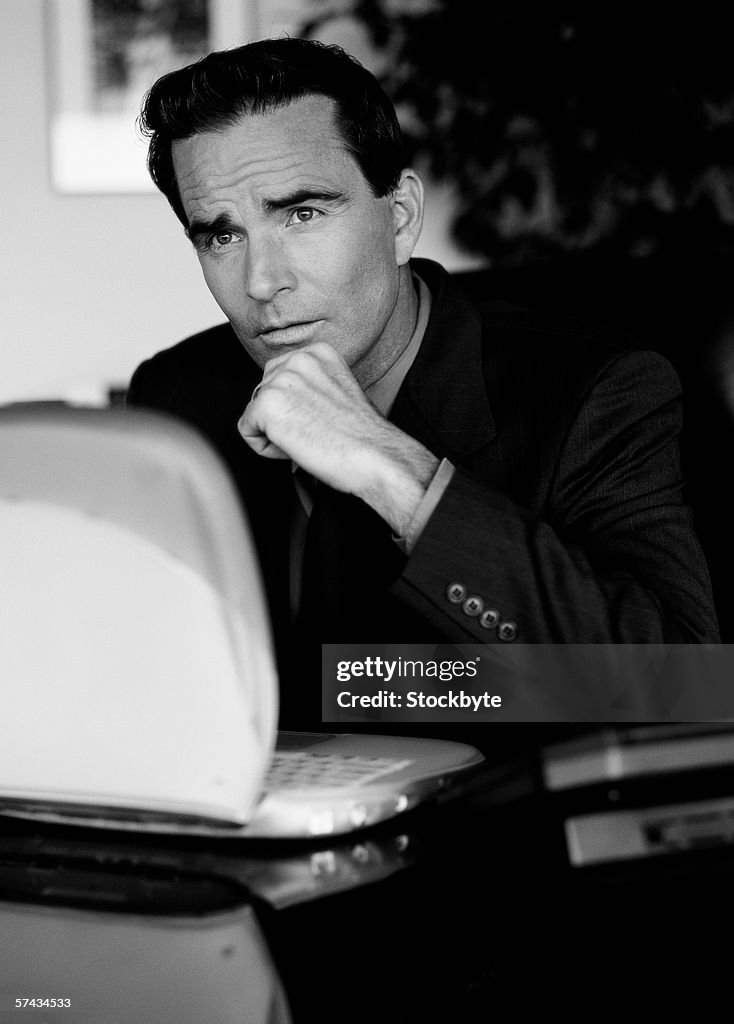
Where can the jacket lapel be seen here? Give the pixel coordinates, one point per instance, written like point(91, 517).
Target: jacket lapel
point(443, 402)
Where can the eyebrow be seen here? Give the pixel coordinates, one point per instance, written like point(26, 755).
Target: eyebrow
point(303, 196)
point(199, 229)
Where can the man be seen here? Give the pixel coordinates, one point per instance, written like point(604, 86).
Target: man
point(480, 475)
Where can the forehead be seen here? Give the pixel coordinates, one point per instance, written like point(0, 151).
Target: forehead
point(278, 150)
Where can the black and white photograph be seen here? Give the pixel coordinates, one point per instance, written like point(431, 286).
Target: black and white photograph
point(366, 550)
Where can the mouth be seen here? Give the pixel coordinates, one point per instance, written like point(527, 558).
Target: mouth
point(296, 333)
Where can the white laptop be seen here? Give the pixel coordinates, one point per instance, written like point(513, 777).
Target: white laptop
point(137, 679)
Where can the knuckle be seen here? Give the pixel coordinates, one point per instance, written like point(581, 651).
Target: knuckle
point(301, 360)
point(269, 400)
point(329, 355)
point(289, 377)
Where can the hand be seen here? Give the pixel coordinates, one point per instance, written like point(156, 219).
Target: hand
point(309, 408)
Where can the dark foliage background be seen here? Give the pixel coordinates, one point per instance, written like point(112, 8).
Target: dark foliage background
point(604, 128)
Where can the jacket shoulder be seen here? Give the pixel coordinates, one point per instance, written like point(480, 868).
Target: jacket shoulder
point(522, 341)
point(532, 344)
point(205, 347)
point(215, 351)
point(207, 367)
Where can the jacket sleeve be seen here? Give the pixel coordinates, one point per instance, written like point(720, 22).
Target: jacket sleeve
point(612, 557)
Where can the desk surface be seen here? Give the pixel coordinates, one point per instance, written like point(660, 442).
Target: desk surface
point(474, 915)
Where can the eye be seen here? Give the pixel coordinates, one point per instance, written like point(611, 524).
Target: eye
point(301, 215)
point(218, 242)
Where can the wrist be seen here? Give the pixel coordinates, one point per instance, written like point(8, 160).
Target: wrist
point(395, 478)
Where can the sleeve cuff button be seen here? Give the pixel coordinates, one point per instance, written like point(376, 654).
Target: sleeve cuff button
point(473, 605)
point(507, 630)
point(456, 593)
point(490, 619)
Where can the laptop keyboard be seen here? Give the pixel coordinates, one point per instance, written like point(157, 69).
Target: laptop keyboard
point(304, 769)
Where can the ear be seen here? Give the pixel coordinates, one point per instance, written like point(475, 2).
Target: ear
point(406, 204)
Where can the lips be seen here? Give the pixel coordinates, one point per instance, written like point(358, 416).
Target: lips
point(295, 332)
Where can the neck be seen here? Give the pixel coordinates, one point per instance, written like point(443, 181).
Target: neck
point(378, 361)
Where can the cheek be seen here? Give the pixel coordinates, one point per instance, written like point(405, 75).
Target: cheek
point(223, 284)
point(363, 246)
point(361, 272)
point(211, 277)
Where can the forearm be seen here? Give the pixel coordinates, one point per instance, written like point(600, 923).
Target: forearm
point(395, 475)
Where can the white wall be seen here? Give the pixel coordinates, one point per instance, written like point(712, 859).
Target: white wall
point(90, 285)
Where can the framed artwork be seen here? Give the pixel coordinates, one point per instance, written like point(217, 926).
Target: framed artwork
point(103, 57)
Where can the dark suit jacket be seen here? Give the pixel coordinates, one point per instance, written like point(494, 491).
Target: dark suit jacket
point(565, 514)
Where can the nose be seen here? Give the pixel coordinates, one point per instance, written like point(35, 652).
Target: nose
point(267, 269)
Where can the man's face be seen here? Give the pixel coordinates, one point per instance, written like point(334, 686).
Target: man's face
point(294, 246)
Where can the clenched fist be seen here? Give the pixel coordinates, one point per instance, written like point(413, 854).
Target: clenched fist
point(309, 408)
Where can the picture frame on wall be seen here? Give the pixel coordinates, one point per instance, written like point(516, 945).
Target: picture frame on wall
point(103, 56)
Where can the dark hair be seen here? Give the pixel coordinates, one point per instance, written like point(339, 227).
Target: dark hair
point(218, 90)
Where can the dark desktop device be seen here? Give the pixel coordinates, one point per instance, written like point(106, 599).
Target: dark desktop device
point(643, 791)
